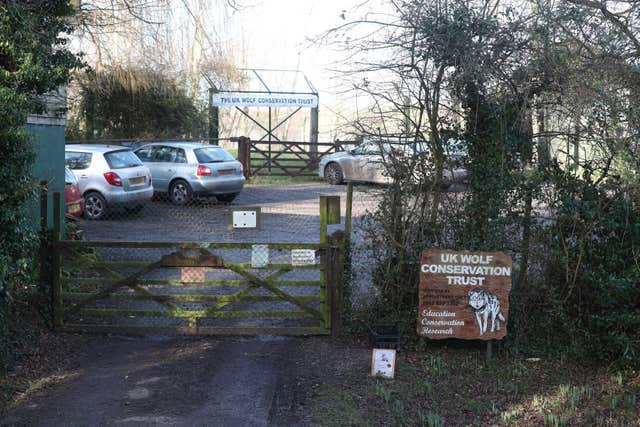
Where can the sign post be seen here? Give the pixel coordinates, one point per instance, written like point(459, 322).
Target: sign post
point(464, 295)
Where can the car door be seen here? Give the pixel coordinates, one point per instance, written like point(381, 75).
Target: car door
point(368, 164)
point(147, 154)
point(79, 163)
point(181, 167)
point(164, 163)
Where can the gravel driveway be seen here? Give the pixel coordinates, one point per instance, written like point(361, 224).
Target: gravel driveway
point(290, 214)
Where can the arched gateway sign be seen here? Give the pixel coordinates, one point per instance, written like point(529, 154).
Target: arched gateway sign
point(464, 294)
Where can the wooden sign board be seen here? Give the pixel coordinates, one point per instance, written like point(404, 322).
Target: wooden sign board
point(464, 294)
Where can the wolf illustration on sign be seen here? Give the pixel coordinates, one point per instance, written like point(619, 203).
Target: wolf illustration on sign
point(484, 304)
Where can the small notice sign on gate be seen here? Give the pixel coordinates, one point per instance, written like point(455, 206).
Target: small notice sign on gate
point(464, 294)
point(303, 257)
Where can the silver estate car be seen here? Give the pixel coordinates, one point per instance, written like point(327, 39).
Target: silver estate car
point(109, 176)
point(185, 170)
point(365, 163)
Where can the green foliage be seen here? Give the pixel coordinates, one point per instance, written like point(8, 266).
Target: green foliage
point(33, 61)
point(596, 271)
point(573, 229)
point(134, 103)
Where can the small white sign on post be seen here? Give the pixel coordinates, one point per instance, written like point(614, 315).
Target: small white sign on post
point(383, 363)
point(259, 256)
point(303, 256)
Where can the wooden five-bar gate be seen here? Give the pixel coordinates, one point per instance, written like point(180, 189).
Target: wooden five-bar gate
point(283, 158)
point(196, 288)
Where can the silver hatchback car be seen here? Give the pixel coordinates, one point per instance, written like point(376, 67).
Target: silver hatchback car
point(109, 176)
point(184, 170)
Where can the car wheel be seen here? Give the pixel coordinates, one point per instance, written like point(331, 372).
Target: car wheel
point(180, 192)
point(227, 197)
point(95, 206)
point(333, 174)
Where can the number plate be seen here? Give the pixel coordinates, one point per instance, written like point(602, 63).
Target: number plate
point(226, 172)
point(74, 208)
point(136, 181)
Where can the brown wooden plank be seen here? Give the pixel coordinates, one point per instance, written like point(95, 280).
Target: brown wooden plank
point(274, 289)
point(189, 314)
point(183, 245)
point(185, 297)
point(128, 281)
point(185, 330)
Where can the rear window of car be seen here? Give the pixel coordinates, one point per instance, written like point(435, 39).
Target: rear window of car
point(77, 160)
point(69, 177)
point(212, 155)
point(122, 159)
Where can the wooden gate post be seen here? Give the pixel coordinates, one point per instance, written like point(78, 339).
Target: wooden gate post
point(44, 242)
point(56, 284)
point(332, 291)
point(329, 214)
point(214, 133)
point(335, 268)
point(348, 212)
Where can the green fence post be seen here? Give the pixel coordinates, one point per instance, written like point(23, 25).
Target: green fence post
point(56, 284)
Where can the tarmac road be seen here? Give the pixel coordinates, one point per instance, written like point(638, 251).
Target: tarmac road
point(223, 381)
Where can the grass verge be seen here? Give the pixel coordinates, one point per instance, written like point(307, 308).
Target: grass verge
point(456, 387)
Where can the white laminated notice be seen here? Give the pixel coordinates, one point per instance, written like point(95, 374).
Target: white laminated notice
point(259, 256)
point(383, 363)
point(303, 256)
point(244, 219)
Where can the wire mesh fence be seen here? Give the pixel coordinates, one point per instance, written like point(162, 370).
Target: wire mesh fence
point(286, 213)
point(197, 194)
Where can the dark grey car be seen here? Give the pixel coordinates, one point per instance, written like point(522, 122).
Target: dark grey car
point(184, 170)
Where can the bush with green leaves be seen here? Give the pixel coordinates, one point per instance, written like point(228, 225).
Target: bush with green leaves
point(551, 132)
point(33, 61)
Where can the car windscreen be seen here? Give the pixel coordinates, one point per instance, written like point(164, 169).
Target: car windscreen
point(212, 155)
point(122, 159)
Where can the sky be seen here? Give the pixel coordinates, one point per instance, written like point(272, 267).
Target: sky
point(278, 34)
